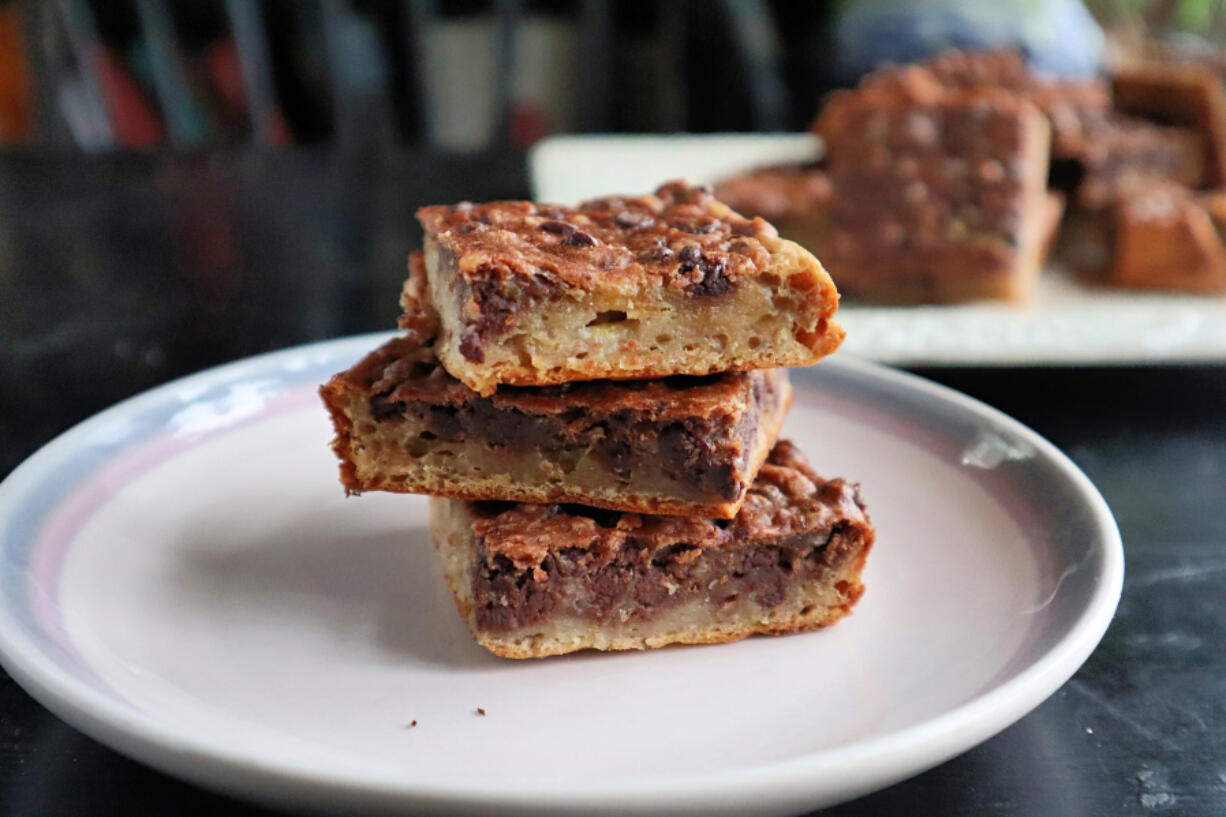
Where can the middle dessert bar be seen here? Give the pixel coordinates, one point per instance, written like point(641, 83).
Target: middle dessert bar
point(679, 445)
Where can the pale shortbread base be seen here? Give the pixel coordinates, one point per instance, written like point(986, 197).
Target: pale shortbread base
point(811, 605)
point(780, 318)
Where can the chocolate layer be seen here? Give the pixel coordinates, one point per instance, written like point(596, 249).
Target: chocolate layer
point(623, 441)
point(538, 561)
point(938, 194)
point(583, 584)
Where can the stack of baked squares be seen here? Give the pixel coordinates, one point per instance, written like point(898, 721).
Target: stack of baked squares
point(593, 398)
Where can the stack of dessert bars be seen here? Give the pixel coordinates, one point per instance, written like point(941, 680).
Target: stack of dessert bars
point(593, 398)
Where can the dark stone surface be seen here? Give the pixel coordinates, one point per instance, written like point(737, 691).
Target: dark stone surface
point(117, 274)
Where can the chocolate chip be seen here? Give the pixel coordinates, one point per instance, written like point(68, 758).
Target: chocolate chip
point(714, 281)
point(558, 227)
point(470, 347)
point(381, 408)
point(689, 256)
point(656, 255)
point(580, 239)
point(633, 218)
point(469, 227)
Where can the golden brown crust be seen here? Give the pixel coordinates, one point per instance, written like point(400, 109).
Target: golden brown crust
point(607, 242)
point(406, 369)
point(418, 316)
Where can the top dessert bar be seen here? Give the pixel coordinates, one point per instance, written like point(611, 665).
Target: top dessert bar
point(617, 288)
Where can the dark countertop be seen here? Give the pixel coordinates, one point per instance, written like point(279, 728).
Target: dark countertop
point(117, 274)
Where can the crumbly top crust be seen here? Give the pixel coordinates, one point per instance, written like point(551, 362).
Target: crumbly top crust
point(680, 237)
point(406, 369)
point(1071, 105)
point(787, 498)
point(418, 317)
point(958, 169)
point(778, 192)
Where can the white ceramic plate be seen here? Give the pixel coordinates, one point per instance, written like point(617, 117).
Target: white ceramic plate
point(1068, 323)
point(184, 581)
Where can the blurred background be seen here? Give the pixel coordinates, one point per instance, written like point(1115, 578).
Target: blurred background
point(467, 75)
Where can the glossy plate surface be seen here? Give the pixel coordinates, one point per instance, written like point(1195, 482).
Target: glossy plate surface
point(184, 581)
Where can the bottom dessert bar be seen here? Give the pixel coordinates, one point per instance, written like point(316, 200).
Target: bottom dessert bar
point(539, 580)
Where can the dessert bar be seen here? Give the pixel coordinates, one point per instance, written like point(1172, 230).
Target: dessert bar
point(1071, 106)
point(799, 198)
point(1126, 155)
point(538, 580)
point(619, 288)
point(936, 197)
point(795, 198)
point(1173, 93)
point(1166, 237)
point(679, 445)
